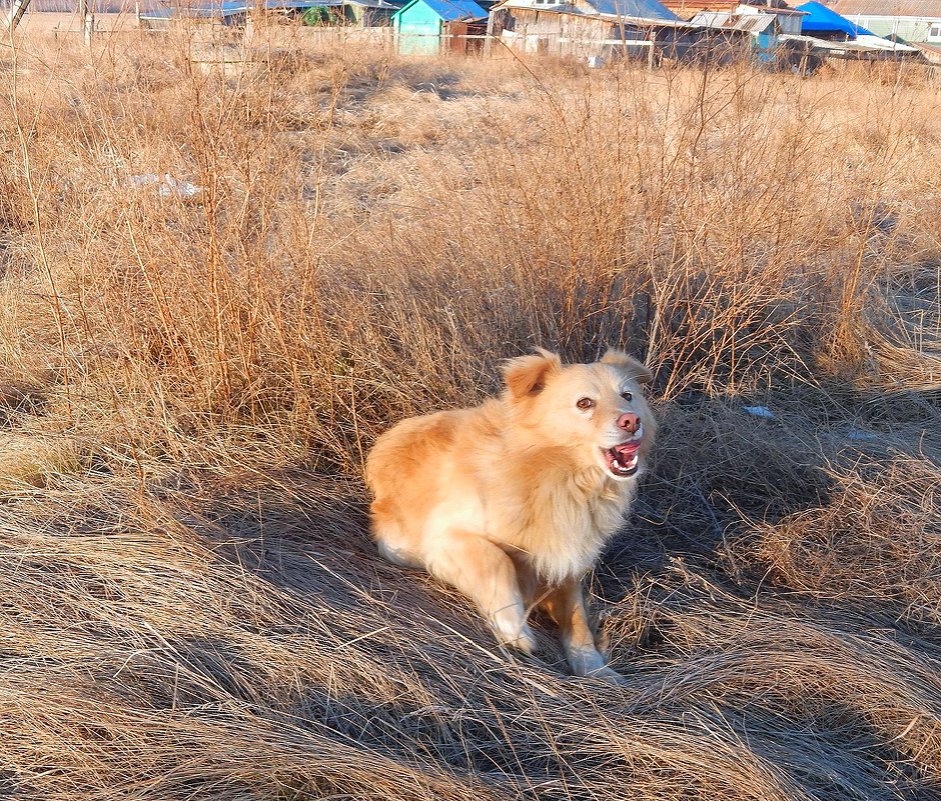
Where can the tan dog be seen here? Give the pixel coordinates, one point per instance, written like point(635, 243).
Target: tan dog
point(511, 502)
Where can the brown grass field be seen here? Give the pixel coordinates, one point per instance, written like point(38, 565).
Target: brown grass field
point(190, 607)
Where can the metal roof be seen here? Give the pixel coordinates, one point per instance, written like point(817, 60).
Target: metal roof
point(643, 13)
point(724, 20)
point(640, 9)
point(871, 40)
point(930, 9)
point(861, 44)
point(449, 10)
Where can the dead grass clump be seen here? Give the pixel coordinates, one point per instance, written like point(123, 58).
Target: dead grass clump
point(874, 543)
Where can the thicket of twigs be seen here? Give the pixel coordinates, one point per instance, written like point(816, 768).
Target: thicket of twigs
point(191, 607)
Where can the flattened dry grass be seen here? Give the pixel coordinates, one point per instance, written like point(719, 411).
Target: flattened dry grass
point(191, 606)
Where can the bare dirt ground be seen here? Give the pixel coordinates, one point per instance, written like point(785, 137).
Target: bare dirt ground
point(194, 364)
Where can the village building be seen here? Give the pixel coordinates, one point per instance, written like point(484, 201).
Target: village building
point(426, 27)
point(594, 29)
point(765, 27)
point(912, 22)
point(827, 33)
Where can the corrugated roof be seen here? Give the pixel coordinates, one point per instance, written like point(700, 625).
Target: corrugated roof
point(687, 9)
point(890, 8)
point(632, 12)
point(450, 10)
point(640, 9)
point(749, 23)
point(820, 19)
point(862, 44)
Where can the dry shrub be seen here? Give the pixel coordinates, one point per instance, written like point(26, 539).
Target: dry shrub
point(191, 604)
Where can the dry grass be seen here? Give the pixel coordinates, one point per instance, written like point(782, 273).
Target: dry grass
point(191, 607)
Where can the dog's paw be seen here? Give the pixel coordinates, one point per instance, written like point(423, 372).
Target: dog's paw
point(589, 663)
point(607, 674)
point(522, 639)
point(511, 629)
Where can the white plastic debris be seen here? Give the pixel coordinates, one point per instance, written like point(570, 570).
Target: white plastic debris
point(759, 411)
point(167, 185)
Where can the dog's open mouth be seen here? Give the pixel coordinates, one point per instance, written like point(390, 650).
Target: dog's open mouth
point(622, 460)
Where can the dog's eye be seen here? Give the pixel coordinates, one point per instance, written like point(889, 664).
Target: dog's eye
point(627, 396)
point(585, 403)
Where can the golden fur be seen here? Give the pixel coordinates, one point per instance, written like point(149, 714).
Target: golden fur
point(512, 501)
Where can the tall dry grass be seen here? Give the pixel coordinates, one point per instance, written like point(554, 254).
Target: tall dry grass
point(191, 607)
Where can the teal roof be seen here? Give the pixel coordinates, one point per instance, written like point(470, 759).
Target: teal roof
point(449, 10)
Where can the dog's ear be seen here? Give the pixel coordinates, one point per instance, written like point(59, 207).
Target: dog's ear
point(628, 364)
point(526, 375)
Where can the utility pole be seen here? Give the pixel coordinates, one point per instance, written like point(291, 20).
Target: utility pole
point(88, 21)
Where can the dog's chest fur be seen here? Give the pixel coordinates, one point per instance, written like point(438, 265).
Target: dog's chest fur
point(562, 521)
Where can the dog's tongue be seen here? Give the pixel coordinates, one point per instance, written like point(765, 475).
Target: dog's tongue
point(626, 450)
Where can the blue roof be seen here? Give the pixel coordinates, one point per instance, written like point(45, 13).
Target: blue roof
point(647, 9)
point(449, 9)
point(820, 19)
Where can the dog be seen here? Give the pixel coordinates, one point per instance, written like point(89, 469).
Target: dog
point(511, 502)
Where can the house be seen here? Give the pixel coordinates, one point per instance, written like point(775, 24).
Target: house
point(764, 25)
point(911, 21)
point(595, 29)
point(420, 24)
point(826, 33)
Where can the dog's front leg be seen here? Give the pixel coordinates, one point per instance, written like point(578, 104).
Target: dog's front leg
point(565, 604)
point(486, 575)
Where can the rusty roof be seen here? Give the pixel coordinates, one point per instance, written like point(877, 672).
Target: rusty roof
point(686, 9)
point(890, 8)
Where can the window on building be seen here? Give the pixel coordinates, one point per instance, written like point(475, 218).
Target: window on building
point(934, 32)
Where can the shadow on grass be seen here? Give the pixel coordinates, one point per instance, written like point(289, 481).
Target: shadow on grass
point(712, 660)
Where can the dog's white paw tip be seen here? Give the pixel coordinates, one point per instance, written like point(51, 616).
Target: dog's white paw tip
point(609, 675)
point(512, 635)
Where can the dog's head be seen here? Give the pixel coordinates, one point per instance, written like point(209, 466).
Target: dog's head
point(597, 412)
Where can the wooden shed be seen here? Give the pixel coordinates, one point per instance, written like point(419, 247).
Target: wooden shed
point(591, 28)
point(420, 24)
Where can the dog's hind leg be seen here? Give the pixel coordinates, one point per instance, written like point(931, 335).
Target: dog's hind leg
point(565, 604)
point(390, 539)
point(486, 575)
